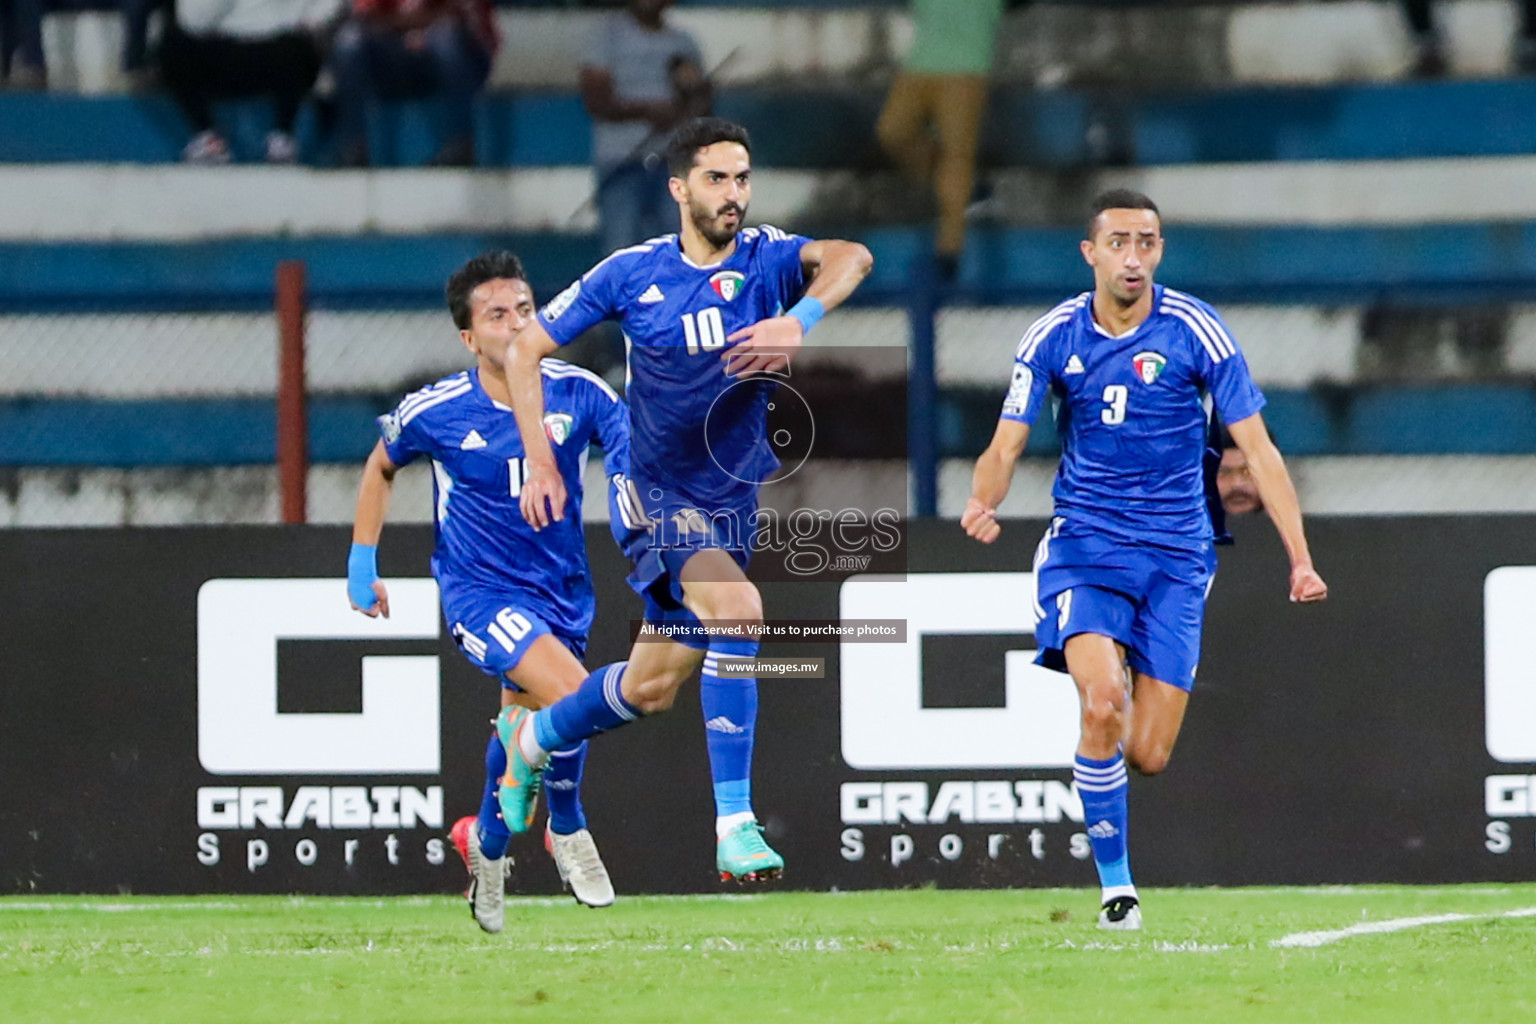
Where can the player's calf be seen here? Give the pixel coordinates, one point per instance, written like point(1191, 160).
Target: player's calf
point(1104, 788)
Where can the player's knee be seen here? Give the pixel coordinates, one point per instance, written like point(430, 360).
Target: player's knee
point(1103, 715)
point(652, 694)
point(656, 701)
point(740, 603)
point(1147, 762)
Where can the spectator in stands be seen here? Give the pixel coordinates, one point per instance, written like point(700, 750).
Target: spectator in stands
point(23, 63)
point(136, 15)
point(1239, 494)
point(639, 79)
point(234, 48)
point(413, 49)
point(1227, 471)
point(1429, 48)
point(21, 43)
point(931, 124)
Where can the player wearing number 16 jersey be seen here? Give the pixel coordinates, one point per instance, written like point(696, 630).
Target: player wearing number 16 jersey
point(518, 602)
point(709, 314)
point(1123, 571)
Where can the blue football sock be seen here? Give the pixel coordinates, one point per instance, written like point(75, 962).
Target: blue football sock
point(596, 706)
point(1105, 790)
point(730, 723)
point(494, 833)
point(562, 788)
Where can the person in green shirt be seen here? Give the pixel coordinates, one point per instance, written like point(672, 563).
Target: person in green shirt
point(931, 123)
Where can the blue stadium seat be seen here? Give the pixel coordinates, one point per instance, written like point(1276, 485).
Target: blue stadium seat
point(1483, 419)
point(834, 126)
point(1295, 265)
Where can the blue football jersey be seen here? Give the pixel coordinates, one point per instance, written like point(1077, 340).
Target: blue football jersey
point(1132, 413)
point(693, 430)
point(478, 471)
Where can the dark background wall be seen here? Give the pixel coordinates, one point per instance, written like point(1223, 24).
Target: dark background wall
point(1336, 743)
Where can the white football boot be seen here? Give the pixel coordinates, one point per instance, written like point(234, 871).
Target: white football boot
point(581, 869)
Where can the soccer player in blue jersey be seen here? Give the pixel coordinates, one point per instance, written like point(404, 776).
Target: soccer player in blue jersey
point(519, 602)
point(709, 315)
point(1122, 573)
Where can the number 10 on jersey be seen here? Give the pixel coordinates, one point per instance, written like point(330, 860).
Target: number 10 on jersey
point(704, 330)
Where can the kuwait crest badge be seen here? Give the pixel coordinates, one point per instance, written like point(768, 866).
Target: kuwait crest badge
point(727, 284)
point(1149, 366)
point(558, 426)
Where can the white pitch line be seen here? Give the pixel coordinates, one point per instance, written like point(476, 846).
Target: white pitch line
point(257, 903)
point(1311, 940)
point(113, 908)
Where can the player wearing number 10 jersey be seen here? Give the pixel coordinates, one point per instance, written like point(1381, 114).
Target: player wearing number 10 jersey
point(1123, 571)
point(709, 315)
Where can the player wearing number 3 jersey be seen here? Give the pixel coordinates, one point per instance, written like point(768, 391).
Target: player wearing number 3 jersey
point(1122, 573)
point(709, 315)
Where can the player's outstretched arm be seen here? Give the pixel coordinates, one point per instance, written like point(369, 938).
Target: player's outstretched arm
point(991, 478)
point(365, 591)
point(835, 268)
point(1279, 494)
point(543, 495)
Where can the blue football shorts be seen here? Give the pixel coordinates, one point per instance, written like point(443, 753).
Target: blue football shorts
point(495, 628)
point(1149, 598)
point(682, 527)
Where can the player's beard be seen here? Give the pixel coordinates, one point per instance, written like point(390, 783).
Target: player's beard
point(710, 223)
point(1124, 295)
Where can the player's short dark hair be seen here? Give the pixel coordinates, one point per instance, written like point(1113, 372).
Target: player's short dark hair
point(1118, 199)
point(488, 266)
point(691, 136)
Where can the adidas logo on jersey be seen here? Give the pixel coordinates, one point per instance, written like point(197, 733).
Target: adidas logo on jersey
point(652, 294)
point(725, 725)
point(472, 440)
point(1074, 365)
point(1103, 830)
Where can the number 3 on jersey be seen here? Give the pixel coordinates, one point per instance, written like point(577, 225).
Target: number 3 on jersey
point(704, 330)
point(1114, 397)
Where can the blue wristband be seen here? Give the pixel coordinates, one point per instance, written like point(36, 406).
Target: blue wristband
point(809, 312)
point(362, 572)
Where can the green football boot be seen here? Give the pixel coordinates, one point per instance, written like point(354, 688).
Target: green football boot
point(518, 793)
point(743, 856)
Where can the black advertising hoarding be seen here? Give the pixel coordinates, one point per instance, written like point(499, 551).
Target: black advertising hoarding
point(196, 710)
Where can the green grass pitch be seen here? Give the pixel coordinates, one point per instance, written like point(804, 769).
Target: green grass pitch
point(1397, 954)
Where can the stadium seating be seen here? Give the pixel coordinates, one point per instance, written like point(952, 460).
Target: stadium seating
point(1303, 191)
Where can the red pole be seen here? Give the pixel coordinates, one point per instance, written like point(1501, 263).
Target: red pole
point(292, 423)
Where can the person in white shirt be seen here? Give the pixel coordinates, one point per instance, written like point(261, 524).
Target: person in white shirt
point(217, 49)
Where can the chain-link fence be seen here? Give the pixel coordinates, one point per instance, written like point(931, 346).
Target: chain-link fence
point(170, 418)
point(158, 418)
